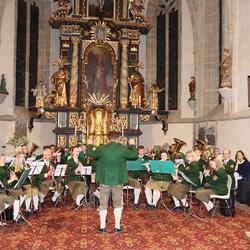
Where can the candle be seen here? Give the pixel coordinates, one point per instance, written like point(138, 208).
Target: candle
point(137, 125)
point(75, 130)
point(122, 131)
point(60, 125)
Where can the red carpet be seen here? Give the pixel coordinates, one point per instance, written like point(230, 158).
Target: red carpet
point(61, 228)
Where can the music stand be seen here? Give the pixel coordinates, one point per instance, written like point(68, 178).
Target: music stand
point(191, 212)
point(20, 183)
point(84, 170)
point(162, 167)
point(60, 172)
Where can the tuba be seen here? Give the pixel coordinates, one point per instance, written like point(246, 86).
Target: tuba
point(201, 145)
point(178, 144)
point(204, 148)
point(33, 148)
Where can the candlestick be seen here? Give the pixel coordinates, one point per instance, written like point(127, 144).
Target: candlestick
point(122, 131)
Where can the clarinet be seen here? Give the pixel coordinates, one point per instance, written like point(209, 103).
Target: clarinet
point(5, 189)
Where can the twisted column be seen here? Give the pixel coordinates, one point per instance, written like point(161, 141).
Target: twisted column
point(74, 72)
point(124, 74)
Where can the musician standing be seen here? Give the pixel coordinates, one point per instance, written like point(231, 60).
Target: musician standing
point(112, 173)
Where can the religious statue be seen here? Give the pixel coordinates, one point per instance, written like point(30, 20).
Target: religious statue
point(64, 7)
point(192, 87)
point(59, 79)
point(3, 89)
point(99, 118)
point(225, 69)
point(136, 82)
point(135, 9)
point(154, 103)
point(40, 93)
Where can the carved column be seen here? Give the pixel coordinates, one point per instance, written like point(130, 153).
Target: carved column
point(124, 74)
point(77, 7)
point(74, 72)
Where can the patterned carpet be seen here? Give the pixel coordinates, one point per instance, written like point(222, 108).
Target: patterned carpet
point(61, 228)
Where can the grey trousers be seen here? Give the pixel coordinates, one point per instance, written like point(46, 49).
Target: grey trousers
point(117, 193)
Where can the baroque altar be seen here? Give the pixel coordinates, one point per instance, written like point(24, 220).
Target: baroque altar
point(98, 87)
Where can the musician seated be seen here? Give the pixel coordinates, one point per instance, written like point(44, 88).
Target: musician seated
point(201, 162)
point(157, 183)
point(74, 180)
point(179, 190)
point(243, 166)
point(171, 152)
point(6, 197)
point(229, 165)
point(134, 176)
point(216, 177)
point(31, 193)
point(45, 180)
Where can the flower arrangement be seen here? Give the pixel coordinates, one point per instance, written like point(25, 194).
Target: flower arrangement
point(18, 141)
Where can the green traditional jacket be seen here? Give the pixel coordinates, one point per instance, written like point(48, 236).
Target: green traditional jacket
point(19, 174)
point(218, 181)
point(192, 172)
point(137, 173)
point(4, 175)
point(202, 164)
point(230, 169)
point(112, 162)
point(70, 174)
point(65, 157)
point(82, 156)
point(39, 157)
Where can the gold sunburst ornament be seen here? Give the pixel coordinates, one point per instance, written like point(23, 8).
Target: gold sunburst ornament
point(61, 62)
point(100, 32)
point(99, 99)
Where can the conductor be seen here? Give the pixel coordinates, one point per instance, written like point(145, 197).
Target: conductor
point(111, 174)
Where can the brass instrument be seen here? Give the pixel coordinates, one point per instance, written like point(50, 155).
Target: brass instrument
point(178, 144)
point(33, 148)
point(201, 145)
point(206, 151)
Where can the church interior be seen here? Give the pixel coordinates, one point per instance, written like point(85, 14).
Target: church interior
point(167, 76)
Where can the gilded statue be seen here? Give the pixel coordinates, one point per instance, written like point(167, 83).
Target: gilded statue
point(136, 8)
point(136, 82)
point(99, 118)
point(192, 87)
point(59, 79)
point(40, 93)
point(154, 103)
point(64, 7)
point(225, 69)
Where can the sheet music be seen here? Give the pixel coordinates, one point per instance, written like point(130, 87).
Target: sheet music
point(36, 167)
point(30, 159)
point(187, 179)
point(84, 170)
point(60, 170)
